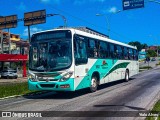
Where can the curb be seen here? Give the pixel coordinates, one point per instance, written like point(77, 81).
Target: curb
point(150, 106)
point(29, 94)
point(10, 97)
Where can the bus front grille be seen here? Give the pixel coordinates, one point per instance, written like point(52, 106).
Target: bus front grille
point(48, 80)
point(47, 85)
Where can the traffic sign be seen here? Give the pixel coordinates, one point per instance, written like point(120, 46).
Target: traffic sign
point(8, 22)
point(132, 4)
point(35, 17)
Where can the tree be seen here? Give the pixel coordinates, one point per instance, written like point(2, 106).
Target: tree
point(151, 53)
point(144, 46)
point(138, 45)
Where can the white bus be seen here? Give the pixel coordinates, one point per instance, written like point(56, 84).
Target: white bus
point(70, 59)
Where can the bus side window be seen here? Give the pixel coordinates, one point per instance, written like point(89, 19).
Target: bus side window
point(135, 54)
point(111, 53)
point(80, 51)
point(125, 53)
point(130, 54)
point(92, 50)
point(103, 49)
point(119, 52)
point(115, 52)
point(122, 53)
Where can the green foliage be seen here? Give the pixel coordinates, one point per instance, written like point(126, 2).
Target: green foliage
point(146, 67)
point(156, 108)
point(151, 53)
point(138, 45)
point(158, 63)
point(13, 89)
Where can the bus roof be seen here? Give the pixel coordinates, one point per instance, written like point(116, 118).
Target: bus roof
point(85, 31)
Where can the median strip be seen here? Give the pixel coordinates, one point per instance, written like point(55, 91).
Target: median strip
point(15, 90)
point(156, 110)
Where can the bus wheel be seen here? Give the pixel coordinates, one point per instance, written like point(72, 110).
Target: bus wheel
point(94, 84)
point(127, 76)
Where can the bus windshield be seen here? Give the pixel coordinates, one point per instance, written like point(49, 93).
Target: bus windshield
point(50, 54)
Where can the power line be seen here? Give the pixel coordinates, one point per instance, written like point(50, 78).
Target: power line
point(85, 21)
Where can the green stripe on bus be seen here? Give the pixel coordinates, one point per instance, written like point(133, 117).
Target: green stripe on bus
point(120, 65)
point(99, 67)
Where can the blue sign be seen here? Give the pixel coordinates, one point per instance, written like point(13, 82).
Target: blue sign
point(132, 4)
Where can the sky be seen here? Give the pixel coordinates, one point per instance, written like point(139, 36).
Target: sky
point(142, 24)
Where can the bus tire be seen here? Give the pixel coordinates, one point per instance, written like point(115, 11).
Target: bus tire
point(94, 84)
point(127, 76)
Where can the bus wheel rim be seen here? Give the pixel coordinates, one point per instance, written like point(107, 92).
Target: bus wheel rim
point(94, 82)
point(127, 77)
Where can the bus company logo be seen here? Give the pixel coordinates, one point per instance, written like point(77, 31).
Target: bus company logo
point(104, 64)
point(6, 114)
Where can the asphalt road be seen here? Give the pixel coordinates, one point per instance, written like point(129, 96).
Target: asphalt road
point(119, 100)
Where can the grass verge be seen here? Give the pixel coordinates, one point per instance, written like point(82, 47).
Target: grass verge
point(158, 64)
point(145, 67)
point(14, 89)
point(156, 108)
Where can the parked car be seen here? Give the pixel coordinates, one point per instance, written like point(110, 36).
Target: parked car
point(9, 73)
point(153, 59)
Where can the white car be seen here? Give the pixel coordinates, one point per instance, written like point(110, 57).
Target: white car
point(9, 74)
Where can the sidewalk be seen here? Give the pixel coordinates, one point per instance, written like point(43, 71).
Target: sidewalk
point(8, 81)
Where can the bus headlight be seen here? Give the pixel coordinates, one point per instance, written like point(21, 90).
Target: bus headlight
point(32, 78)
point(66, 76)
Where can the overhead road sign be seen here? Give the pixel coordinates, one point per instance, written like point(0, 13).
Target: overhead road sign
point(35, 17)
point(132, 4)
point(8, 22)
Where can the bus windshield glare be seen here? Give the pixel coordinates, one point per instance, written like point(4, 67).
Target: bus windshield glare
point(50, 51)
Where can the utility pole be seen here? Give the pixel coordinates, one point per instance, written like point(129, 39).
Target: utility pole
point(29, 34)
point(9, 38)
point(1, 41)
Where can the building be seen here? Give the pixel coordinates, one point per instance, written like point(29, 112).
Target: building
point(155, 48)
point(13, 49)
point(142, 54)
point(14, 42)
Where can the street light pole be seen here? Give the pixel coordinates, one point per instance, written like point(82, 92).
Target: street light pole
point(64, 19)
point(108, 25)
point(107, 20)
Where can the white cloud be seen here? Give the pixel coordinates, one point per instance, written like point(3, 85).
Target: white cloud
point(79, 2)
point(51, 1)
point(32, 31)
point(98, 0)
point(112, 10)
point(45, 0)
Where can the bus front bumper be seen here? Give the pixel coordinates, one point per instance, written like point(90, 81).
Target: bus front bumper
point(53, 86)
